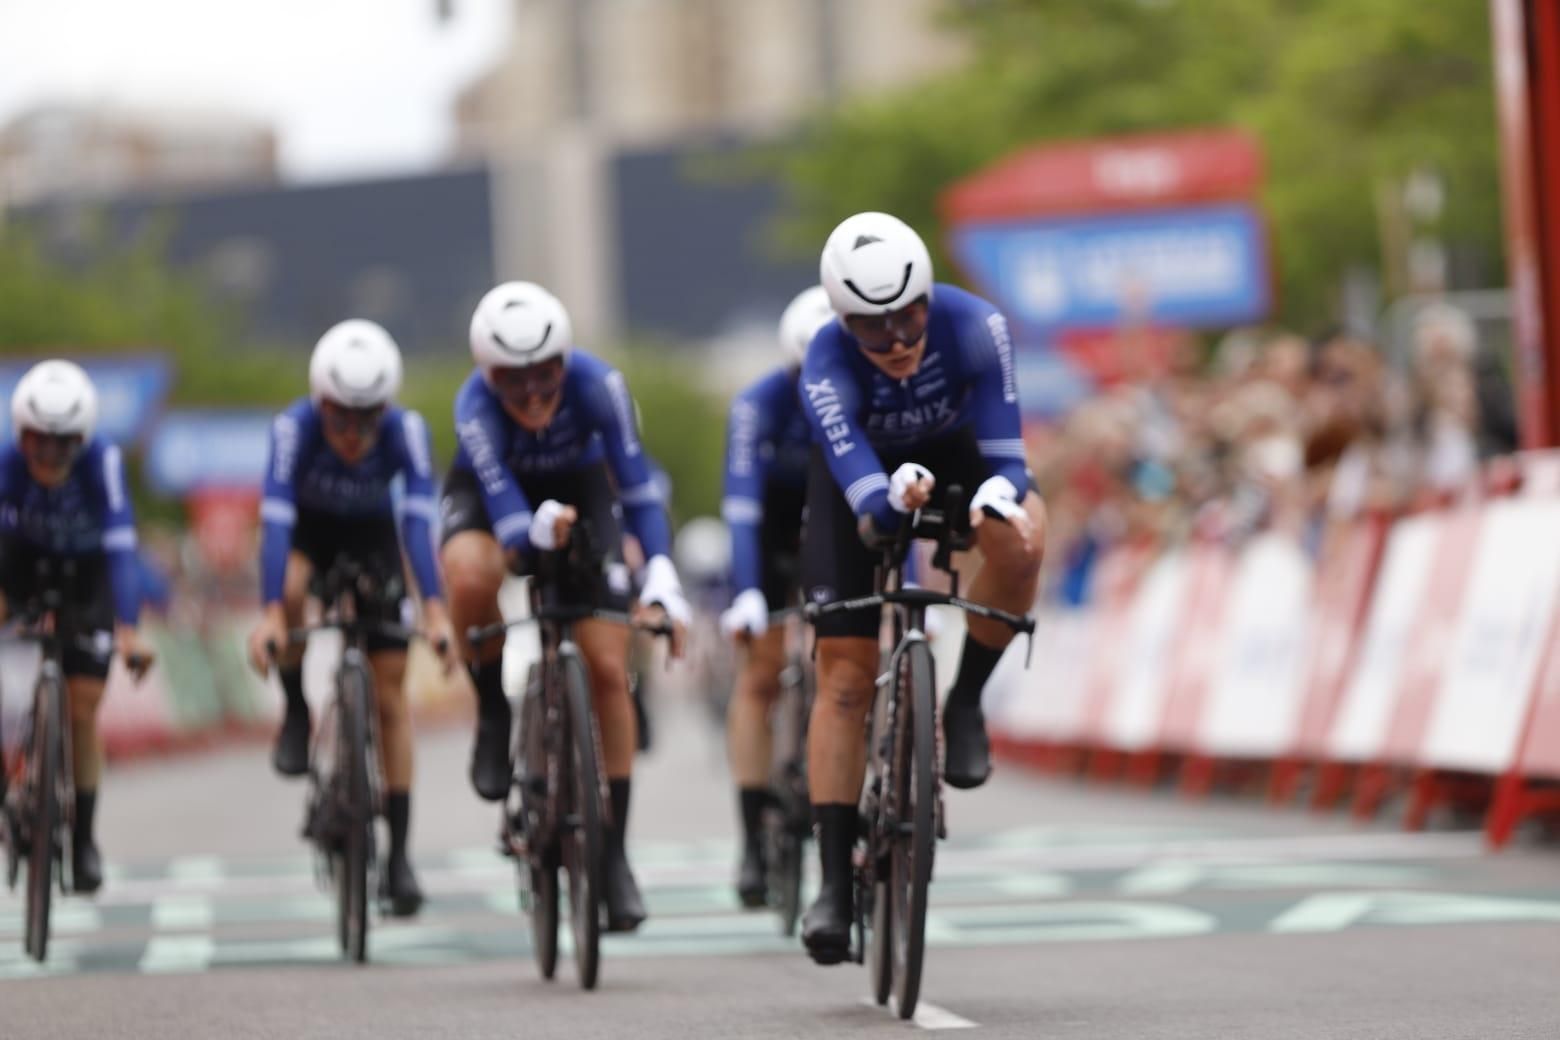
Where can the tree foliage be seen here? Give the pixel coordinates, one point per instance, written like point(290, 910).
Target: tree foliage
point(1343, 95)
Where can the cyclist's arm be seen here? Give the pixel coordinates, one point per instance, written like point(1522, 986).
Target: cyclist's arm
point(742, 505)
point(418, 512)
point(643, 508)
point(988, 350)
point(278, 506)
point(119, 541)
point(480, 428)
point(830, 399)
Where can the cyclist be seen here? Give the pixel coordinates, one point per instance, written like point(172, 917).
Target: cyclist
point(63, 496)
point(910, 391)
point(548, 435)
point(333, 458)
point(768, 443)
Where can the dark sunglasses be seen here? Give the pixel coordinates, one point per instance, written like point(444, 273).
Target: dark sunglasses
point(880, 333)
point(518, 385)
point(342, 420)
point(50, 449)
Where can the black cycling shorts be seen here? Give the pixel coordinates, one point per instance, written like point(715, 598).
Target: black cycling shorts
point(373, 543)
point(836, 563)
point(588, 489)
point(89, 602)
point(780, 545)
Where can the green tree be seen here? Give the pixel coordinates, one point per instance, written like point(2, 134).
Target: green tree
point(1343, 96)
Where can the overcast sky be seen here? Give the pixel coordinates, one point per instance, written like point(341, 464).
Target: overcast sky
point(352, 86)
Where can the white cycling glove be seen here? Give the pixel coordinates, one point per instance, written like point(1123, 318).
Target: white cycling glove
point(662, 587)
point(749, 612)
point(544, 525)
point(998, 495)
point(904, 478)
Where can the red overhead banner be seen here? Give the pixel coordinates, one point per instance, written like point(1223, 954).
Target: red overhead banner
point(1110, 174)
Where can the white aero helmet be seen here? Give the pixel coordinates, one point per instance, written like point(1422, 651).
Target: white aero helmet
point(519, 324)
point(874, 263)
point(54, 397)
point(803, 317)
point(355, 364)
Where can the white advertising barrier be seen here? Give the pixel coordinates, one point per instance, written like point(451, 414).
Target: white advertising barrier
point(1137, 704)
point(1359, 732)
point(1045, 703)
point(1486, 686)
point(1259, 688)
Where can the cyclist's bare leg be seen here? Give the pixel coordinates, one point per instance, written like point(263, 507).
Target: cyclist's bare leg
point(395, 723)
point(1008, 579)
point(604, 645)
point(290, 757)
point(836, 766)
point(395, 751)
point(749, 748)
point(85, 695)
point(474, 569)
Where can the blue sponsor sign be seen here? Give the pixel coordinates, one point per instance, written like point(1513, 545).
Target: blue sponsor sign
point(1191, 267)
point(192, 450)
point(131, 391)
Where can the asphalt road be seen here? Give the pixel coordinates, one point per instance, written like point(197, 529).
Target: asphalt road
point(1059, 910)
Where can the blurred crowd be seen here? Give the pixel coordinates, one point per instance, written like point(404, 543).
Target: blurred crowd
point(1267, 430)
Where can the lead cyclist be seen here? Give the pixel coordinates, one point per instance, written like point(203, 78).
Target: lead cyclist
point(911, 389)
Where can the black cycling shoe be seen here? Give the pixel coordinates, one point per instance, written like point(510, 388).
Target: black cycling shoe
point(625, 906)
point(827, 925)
point(491, 769)
point(398, 888)
point(968, 761)
point(290, 756)
point(752, 883)
point(86, 867)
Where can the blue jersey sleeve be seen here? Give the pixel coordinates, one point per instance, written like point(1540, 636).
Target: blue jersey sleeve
point(482, 429)
point(831, 399)
point(988, 355)
point(278, 502)
point(418, 512)
point(750, 423)
point(119, 541)
point(617, 420)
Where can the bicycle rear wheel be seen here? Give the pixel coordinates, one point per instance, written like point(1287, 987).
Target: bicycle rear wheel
point(46, 742)
point(582, 838)
point(357, 816)
point(914, 783)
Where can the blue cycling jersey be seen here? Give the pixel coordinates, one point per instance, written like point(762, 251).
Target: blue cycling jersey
point(86, 515)
point(596, 419)
point(966, 379)
point(768, 442)
point(303, 472)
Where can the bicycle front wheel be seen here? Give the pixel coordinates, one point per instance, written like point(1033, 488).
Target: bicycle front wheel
point(47, 738)
point(914, 782)
point(357, 815)
point(583, 841)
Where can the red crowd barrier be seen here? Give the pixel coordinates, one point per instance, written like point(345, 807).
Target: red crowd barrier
point(1419, 657)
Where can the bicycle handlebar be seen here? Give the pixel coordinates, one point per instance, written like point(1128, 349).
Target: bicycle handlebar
point(482, 633)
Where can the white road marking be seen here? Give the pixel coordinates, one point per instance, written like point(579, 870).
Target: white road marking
point(178, 953)
point(930, 1016)
point(181, 913)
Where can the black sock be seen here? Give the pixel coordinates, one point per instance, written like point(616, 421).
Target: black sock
point(488, 678)
point(86, 810)
point(292, 688)
point(753, 801)
point(398, 813)
point(836, 841)
point(620, 791)
point(976, 664)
